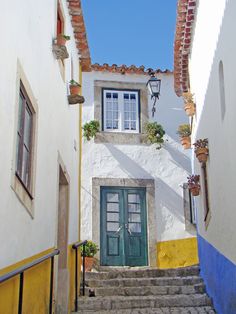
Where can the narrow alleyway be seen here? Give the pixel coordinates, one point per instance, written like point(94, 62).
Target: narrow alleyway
point(145, 290)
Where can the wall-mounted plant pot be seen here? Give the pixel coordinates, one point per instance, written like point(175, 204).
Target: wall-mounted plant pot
point(189, 109)
point(61, 41)
point(186, 142)
point(195, 191)
point(74, 89)
point(75, 99)
point(60, 52)
point(202, 154)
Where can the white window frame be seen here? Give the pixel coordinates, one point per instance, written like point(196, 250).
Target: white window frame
point(121, 112)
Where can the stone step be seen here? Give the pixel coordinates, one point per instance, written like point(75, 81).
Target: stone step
point(162, 310)
point(132, 302)
point(148, 290)
point(143, 273)
point(139, 282)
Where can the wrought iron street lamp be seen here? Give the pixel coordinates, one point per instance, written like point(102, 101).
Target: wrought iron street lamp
point(154, 86)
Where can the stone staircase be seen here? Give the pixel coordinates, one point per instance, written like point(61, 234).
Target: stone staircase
point(145, 291)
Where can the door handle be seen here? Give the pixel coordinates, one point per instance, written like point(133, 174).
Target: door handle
point(118, 230)
point(127, 228)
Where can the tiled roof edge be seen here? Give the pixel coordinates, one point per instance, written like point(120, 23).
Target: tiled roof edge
point(182, 44)
point(124, 69)
point(77, 20)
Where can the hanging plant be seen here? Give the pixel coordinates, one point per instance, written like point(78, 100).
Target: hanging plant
point(189, 105)
point(155, 133)
point(91, 129)
point(201, 149)
point(184, 132)
point(193, 184)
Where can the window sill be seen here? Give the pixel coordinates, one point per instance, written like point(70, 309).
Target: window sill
point(120, 138)
point(23, 196)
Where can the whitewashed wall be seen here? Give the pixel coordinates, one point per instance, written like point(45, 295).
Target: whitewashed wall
point(168, 167)
point(212, 44)
point(28, 29)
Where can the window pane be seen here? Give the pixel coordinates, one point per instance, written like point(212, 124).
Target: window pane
point(112, 226)
point(134, 207)
point(20, 120)
point(18, 167)
point(112, 197)
point(111, 108)
point(112, 207)
point(133, 198)
point(135, 227)
point(134, 218)
point(130, 112)
point(113, 217)
point(25, 167)
point(27, 127)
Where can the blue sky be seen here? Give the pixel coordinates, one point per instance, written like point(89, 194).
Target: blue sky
point(139, 32)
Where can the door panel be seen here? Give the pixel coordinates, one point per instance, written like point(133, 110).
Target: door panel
point(135, 227)
point(112, 250)
point(123, 227)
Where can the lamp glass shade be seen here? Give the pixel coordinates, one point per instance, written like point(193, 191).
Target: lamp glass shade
point(154, 86)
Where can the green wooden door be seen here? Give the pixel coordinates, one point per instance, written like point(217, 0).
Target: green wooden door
point(123, 227)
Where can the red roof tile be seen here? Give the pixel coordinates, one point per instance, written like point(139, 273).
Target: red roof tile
point(183, 38)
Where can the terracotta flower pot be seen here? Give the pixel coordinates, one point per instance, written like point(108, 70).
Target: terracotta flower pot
point(186, 142)
point(61, 41)
point(74, 89)
point(189, 109)
point(89, 262)
point(195, 191)
point(202, 154)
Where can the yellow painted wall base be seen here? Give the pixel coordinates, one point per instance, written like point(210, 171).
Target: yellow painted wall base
point(177, 253)
point(36, 288)
point(36, 285)
point(71, 266)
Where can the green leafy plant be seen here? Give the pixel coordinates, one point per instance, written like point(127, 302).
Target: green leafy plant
point(184, 130)
point(91, 249)
point(155, 133)
point(64, 36)
point(74, 83)
point(188, 97)
point(91, 129)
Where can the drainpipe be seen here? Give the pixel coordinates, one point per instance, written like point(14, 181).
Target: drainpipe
point(80, 154)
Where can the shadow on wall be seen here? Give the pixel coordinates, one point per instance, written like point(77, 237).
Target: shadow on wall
point(128, 165)
point(178, 158)
point(165, 196)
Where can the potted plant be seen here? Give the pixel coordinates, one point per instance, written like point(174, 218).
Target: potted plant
point(91, 249)
point(91, 129)
point(74, 87)
point(193, 184)
point(189, 105)
point(61, 39)
point(201, 149)
point(155, 133)
point(184, 132)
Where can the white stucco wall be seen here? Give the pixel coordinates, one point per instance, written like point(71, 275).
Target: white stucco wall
point(212, 44)
point(168, 167)
point(28, 29)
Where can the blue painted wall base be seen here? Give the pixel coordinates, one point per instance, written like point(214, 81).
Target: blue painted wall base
point(219, 275)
